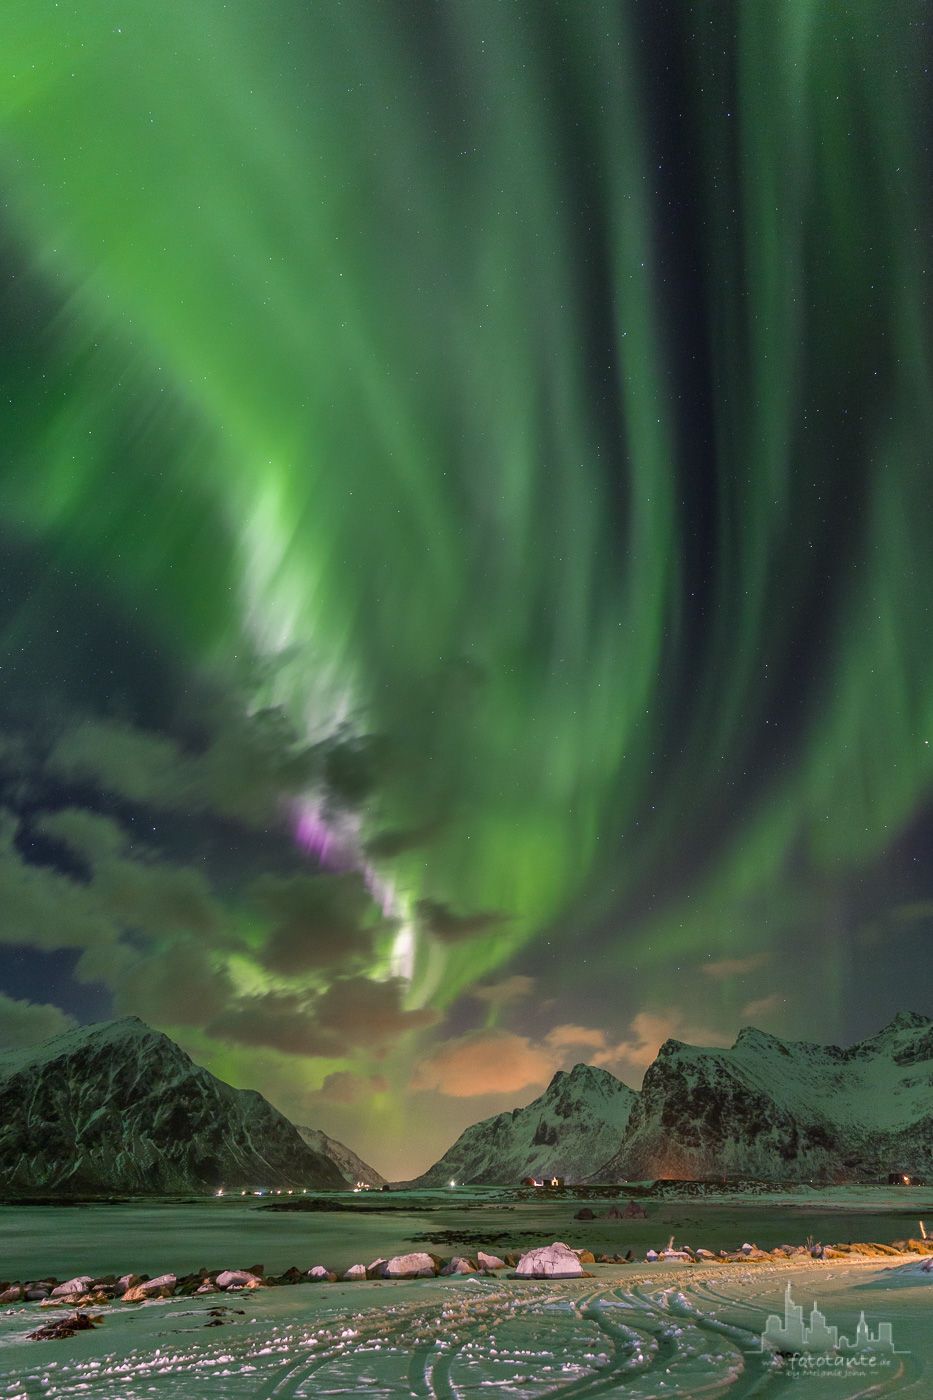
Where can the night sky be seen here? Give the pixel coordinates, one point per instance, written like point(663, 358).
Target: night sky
point(466, 536)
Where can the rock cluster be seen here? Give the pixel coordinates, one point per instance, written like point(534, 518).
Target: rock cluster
point(750, 1253)
point(556, 1260)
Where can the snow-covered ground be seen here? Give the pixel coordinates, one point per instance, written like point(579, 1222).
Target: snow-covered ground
point(632, 1331)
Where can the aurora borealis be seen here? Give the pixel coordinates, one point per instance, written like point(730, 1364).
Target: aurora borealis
point(466, 514)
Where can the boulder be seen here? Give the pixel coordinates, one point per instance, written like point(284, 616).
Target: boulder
point(36, 1293)
point(585, 1214)
point(634, 1211)
point(377, 1269)
point(13, 1294)
point(161, 1287)
point(237, 1278)
point(74, 1285)
point(458, 1265)
point(585, 1256)
point(652, 1256)
point(555, 1260)
point(318, 1274)
point(355, 1274)
point(127, 1281)
point(489, 1261)
point(416, 1265)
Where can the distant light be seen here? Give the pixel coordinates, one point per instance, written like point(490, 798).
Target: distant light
point(219, 1192)
point(453, 1183)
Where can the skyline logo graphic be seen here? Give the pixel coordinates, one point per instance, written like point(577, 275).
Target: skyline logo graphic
point(816, 1345)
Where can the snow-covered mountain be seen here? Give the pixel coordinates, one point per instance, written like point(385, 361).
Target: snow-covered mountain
point(785, 1110)
point(574, 1125)
point(119, 1107)
point(350, 1167)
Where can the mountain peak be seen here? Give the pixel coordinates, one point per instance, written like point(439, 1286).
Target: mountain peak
point(907, 1020)
point(141, 1116)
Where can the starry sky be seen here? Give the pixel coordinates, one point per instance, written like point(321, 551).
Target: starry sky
point(465, 536)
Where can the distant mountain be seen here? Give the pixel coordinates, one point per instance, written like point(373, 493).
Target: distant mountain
point(576, 1122)
point(785, 1110)
point(351, 1168)
point(119, 1107)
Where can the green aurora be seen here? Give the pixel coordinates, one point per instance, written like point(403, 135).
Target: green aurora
point(558, 436)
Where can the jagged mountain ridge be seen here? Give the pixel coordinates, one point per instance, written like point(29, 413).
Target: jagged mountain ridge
point(785, 1110)
point(117, 1106)
point(351, 1167)
point(580, 1115)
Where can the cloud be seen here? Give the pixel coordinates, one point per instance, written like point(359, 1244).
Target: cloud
point(396, 840)
point(763, 1006)
point(44, 909)
point(29, 1022)
point(448, 927)
point(157, 898)
point(240, 773)
point(361, 1012)
point(646, 1034)
point(485, 1062)
point(509, 989)
point(351, 1014)
point(347, 1088)
point(88, 834)
point(276, 1021)
point(724, 968)
point(566, 1037)
point(318, 921)
point(175, 985)
point(119, 758)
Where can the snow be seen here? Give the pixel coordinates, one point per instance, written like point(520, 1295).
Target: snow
point(415, 1265)
point(118, 1107)
point(577, 1122)
point(556, 1260)
point(785, 1109)
point(633, 1331)
point(351, 1167)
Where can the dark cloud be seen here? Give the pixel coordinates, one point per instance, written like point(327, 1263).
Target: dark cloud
point(175, 985)
point(351, 1014)
point(361, 1012)
point(27, 1022)
point(450, 927)
point(316, 921)
point(396, 841)
point(345, 1087)
point(88, 834)
point(45, 909)
point(275, 1022)
point(158, 898)
point(236, 767)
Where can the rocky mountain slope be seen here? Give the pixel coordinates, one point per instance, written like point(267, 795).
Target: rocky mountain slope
point(785, 1110)
point(576, 1123)
point(350, 1167)
point(120, 1107)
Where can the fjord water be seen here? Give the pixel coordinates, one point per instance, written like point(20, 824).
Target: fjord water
point(181, 1236)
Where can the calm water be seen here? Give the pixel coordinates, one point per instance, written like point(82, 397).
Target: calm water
point(154, 1237)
